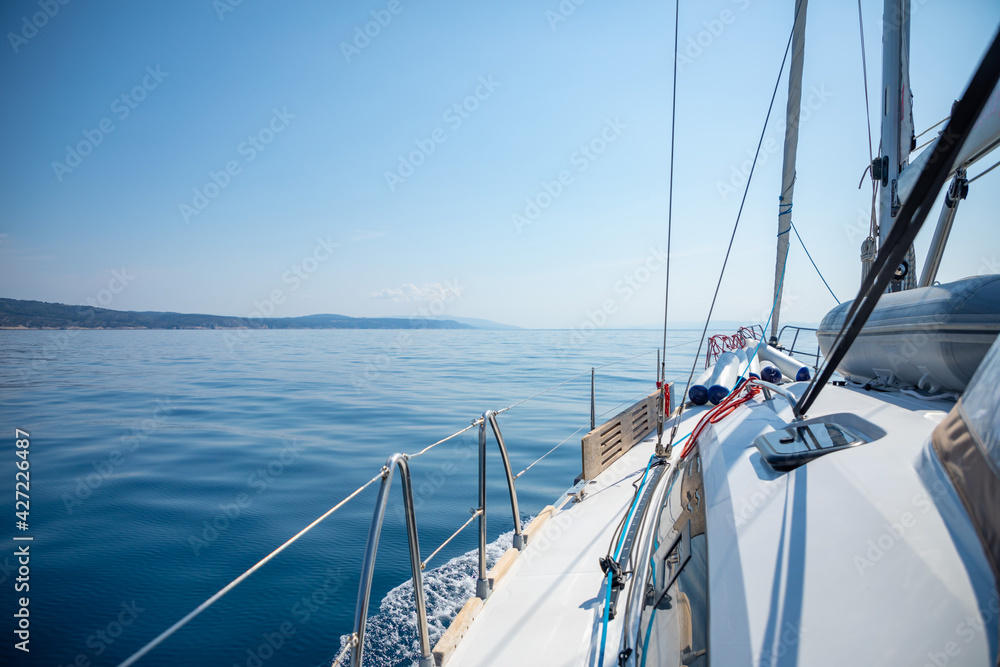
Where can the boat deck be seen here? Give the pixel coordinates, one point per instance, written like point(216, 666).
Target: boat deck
point(547, 609)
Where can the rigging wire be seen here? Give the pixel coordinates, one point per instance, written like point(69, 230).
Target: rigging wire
point(670, 198)
point(931, 127)
point(820, 273)
point(872, 227)
point(980, 175)
point(864, 69)
point(925, 144)
point(739, 215)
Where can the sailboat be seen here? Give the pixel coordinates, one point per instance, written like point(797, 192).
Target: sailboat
point(807, 522)
point(840, 514)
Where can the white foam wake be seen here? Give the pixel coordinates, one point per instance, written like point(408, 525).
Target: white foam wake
point(391, 635)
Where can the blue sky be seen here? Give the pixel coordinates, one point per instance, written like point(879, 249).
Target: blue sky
point(247, 157)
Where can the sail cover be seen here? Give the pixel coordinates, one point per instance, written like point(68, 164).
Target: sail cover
point(792, 110)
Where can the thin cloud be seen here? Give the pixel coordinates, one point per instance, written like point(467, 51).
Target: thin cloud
point(367, 235)
point(409, 293)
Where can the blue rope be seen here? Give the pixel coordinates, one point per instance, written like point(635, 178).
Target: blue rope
point(604, 624)
point(618, 550)
point(607, 596)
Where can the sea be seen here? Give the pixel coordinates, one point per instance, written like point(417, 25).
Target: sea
point(163, 464)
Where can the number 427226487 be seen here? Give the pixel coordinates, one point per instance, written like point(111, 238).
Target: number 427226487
point(22, 478)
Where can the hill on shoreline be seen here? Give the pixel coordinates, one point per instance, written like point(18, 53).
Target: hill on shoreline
point(19, 314)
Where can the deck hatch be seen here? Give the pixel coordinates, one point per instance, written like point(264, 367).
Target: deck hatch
point(790, 447)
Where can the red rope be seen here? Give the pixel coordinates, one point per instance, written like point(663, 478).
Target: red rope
point(721, 411)
point(719, 343)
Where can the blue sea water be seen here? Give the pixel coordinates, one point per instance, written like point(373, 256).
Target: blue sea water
point(165, 463)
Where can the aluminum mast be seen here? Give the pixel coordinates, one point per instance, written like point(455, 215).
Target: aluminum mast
point(897, 122)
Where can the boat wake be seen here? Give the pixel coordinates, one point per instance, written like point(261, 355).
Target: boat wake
point(391, 635)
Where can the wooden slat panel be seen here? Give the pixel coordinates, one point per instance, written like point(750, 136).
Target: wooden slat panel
point(606, 443)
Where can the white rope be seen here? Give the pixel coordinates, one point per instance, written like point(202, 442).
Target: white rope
point(351, 643)
point(442, 440)
point(550, 451)
point(238, 580)
point(453, 535)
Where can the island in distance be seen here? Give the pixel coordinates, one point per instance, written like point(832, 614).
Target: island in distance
point(19, 314)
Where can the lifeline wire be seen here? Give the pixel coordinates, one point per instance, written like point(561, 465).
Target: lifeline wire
point(453, 535)
point(443, 440)
point(596, 368)
point(238, 580)
point(566, 439)
point(736, 226)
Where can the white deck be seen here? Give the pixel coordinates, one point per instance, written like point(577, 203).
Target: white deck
point(548, 608)
point(817, 573)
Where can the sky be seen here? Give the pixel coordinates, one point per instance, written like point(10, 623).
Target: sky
point(500, 160)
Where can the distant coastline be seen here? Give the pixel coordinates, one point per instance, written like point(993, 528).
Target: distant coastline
point(38, 315)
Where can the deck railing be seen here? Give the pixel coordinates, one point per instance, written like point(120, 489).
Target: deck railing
point(791, 348)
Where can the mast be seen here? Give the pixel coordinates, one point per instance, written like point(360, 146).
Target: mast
point(792, 110)
point(897, 121)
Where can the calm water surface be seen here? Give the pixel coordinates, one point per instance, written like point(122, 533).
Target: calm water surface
point(165, 463)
